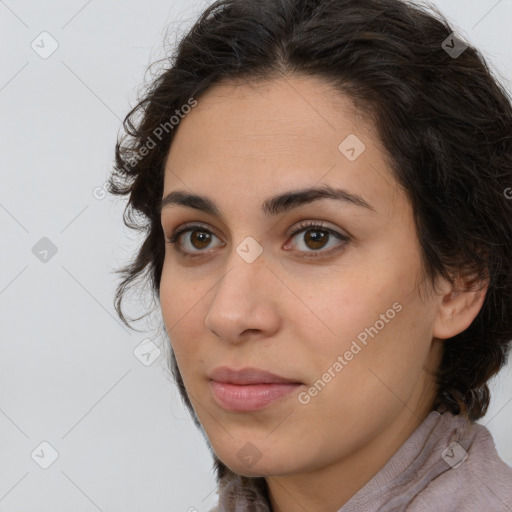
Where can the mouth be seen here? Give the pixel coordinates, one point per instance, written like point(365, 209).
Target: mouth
point(249, 389)
point(247, 376)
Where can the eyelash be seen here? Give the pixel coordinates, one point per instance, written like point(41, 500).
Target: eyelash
point(302, 227)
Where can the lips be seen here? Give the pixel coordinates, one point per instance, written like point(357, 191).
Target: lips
point(247, 376)
point(249, 389)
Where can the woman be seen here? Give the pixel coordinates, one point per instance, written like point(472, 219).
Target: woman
point(325, 186)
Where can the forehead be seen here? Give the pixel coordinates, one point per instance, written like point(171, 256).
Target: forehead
point(260, 138)
point(284, 110)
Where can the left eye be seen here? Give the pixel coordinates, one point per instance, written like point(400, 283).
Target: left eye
point(315, 241)
point(316, 237)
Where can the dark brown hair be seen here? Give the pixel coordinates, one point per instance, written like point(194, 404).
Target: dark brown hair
point(444, 121)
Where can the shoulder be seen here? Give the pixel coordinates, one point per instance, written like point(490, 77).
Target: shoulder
point(476, 478)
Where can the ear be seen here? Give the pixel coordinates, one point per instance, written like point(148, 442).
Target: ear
point(459, 304)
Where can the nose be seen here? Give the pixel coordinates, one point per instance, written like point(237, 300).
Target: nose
point(244, 302)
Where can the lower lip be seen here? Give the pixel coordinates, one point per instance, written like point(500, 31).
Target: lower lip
point(234, 397)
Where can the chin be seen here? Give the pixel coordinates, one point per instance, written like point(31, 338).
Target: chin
point(260, 468)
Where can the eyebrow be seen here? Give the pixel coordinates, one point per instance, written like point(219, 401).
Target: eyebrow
point(272, 206)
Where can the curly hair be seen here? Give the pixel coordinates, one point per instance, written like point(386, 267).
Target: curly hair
point(443, 119)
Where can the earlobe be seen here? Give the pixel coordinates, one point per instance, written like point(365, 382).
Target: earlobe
point(458, 308)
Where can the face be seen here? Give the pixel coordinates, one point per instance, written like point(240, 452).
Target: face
point(322, 292)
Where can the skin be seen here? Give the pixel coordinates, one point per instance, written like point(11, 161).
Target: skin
point(292, 315)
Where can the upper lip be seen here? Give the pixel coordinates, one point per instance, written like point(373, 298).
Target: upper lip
point(247, 375)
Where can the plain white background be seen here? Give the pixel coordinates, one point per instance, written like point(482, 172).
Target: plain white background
point(68, 373)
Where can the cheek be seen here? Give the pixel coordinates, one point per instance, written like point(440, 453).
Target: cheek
point(375, 319)
point(371, 382)
point(383, 342)
point(180, 307)
point(350, 306)
point(179, 293)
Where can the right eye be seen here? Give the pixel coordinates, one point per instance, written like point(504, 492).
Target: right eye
point(200, 240)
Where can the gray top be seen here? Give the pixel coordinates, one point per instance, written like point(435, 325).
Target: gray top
point(448, 464)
